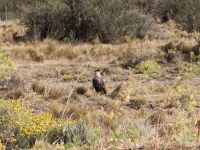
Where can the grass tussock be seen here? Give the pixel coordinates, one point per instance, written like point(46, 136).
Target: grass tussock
point(81, 90)
point(38, 87)
point(184, 45)
point(122, 91)
point(15, 94)
point(68, 77)
point(56, 109)
point(35, 56)
point(54, 93)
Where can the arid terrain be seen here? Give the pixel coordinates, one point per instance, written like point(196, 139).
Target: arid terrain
point(153, 89)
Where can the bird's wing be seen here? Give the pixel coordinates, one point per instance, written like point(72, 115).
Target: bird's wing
point(98, 83)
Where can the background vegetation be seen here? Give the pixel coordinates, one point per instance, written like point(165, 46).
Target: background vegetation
point(107, 20)
point(149, 57)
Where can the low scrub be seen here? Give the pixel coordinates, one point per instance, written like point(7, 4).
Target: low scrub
point(38, 87)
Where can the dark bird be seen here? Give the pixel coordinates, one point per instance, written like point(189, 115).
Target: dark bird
point(98, 83)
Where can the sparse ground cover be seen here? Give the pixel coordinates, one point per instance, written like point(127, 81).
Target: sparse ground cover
point(153, 93)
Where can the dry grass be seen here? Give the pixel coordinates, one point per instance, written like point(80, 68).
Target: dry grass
point(35, 56)
point(38, 87)
point(183, 45)
point(68, 77)
point(81, 90)
point(56, 109)
point(15, 94)
point(139, 112)
point(54, 93)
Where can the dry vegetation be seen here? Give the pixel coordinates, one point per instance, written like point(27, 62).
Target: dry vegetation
point(47, 100)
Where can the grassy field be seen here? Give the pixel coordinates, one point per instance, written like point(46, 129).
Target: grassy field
point(153, 85)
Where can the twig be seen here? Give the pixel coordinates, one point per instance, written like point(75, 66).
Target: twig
point(73, 90)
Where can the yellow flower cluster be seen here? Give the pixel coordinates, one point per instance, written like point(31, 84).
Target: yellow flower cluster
point(16, 114)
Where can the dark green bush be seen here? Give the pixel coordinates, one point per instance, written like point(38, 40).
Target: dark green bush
point(85, 20)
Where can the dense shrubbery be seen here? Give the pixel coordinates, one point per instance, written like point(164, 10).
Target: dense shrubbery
point(105, 19)
point(86, 20)
point(185, 12)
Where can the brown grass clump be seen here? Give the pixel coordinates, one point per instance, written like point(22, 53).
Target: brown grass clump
point(170, 45)
point(67, 77)
point(15, 94)
point(38, 87)
point(122, 92)
point(158, 117)
point(51, 46)
point(167, 122)
point(64, 71)
point(81, 90)
point(75, 111)
point(183, 45)
point(56, 109)
point(35, 55)
point(54, 93)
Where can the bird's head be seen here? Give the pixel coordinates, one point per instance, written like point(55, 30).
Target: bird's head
point(98, 72)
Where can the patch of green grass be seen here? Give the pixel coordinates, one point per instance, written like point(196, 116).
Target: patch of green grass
point(132, 133)
point(194, 57)
point(150, 67)
point(189, 70)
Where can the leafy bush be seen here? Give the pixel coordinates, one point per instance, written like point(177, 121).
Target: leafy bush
point(149, 67)
point(86, 20)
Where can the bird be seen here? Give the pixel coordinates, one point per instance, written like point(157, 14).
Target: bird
point(98, 82)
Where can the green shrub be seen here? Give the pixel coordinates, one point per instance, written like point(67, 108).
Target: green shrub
point(189, 70)
point(194, 57)
point(150, 67)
